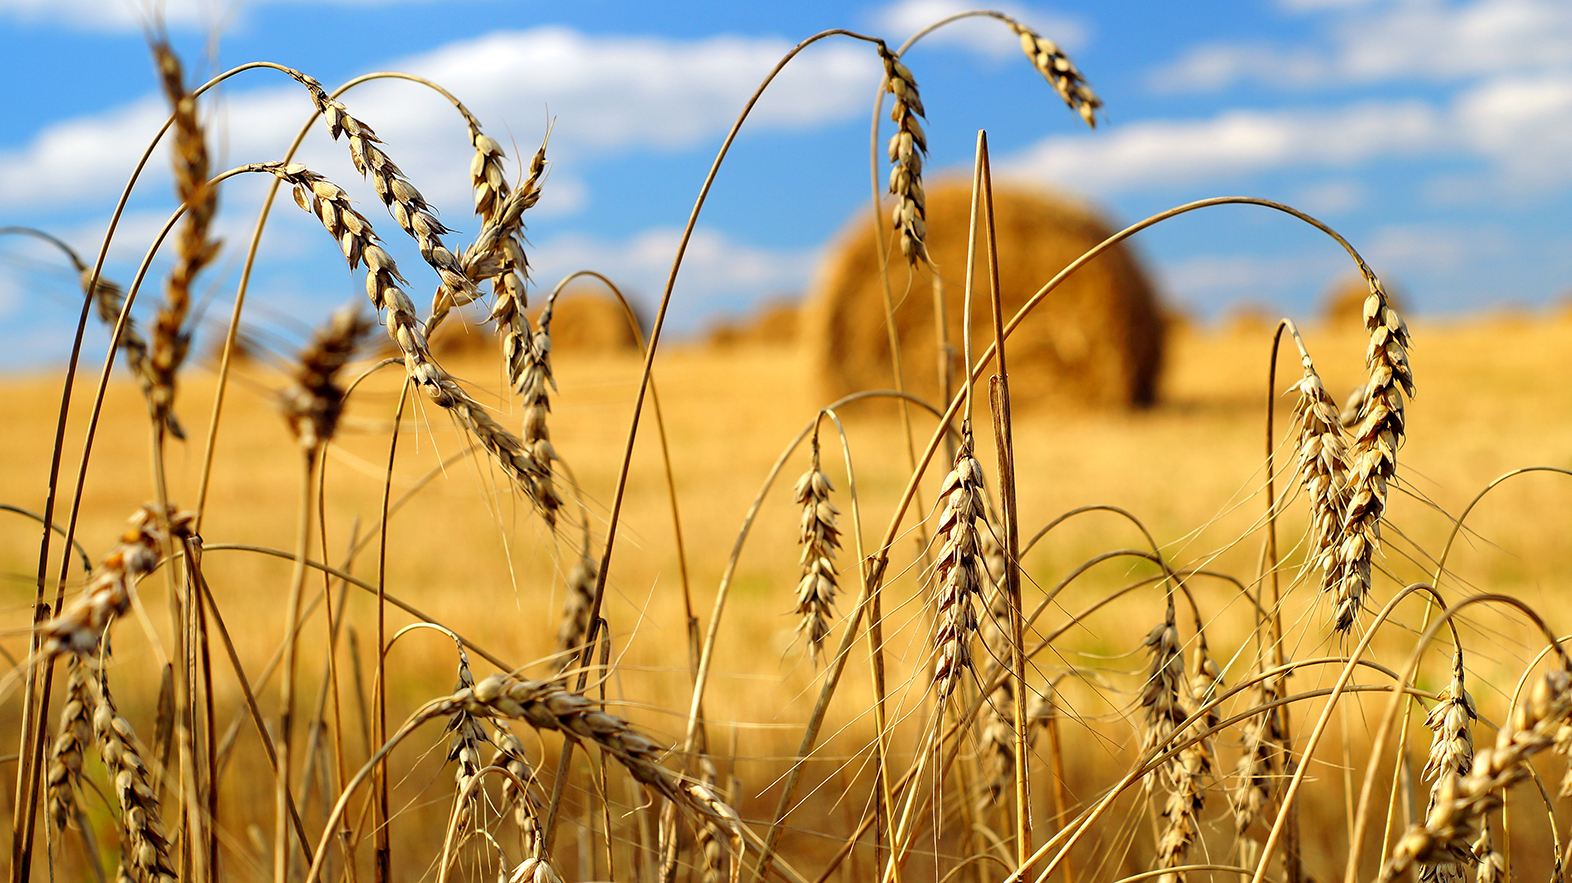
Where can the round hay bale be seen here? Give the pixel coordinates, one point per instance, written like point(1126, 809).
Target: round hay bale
point(587, 320)
point(773, 324)
point(1097, 340)
point(1344, 303)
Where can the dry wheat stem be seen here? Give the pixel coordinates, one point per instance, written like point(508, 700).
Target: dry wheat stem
point(1460, 803)
point(80, 626)
point(1373, 462)
point(819, 537)
point(144, 843)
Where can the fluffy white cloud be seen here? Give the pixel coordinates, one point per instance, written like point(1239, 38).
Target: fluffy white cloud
point(1174, 153)
point(134, 15)
point(719, 273)
point(980, 34)
point(1429, 249)
point(1524, 125)
point(1208, 284)
point(1420, 39)
point(609, 95)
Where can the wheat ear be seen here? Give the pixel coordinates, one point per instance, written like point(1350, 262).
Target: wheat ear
point(535, 386)
point(404, 203)
point(525, 802)
point(466, 739)
point(548, 706)
point(331, 205)
point(1460, 803)
point(577, 607)
point(1374, 458)
point(498, 252)
point(1451, 753)
point(193, 249)
point(1059, 71)
point(1322, 467)
point(1259, 772)
point(906, 149)
point(314, 400)
point(145, 847)
point(819, 537)
point(65, 756)
point(107, 597)
point(1185, 776)
point(959, 568)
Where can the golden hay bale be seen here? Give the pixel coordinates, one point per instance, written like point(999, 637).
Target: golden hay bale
point(1096, 340)
point(773, 324)
point(587, 320)
point(1344, 303)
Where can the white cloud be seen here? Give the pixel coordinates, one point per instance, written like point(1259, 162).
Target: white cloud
point(608, 94)
point(719, 273)
point(1524, 125)
point(1429, 249)
point(134, 15)
point(1330, 197)
point(1234, 143)
point(980, 34)
point(1420, 39)
point(1207, 284)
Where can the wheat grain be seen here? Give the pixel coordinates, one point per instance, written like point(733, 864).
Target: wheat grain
point(906, 149)
point(819, 537)
point(526, 804)
point(548, 706)
point(1374, 457)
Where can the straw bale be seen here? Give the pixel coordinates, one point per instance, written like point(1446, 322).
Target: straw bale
point(1097, 340)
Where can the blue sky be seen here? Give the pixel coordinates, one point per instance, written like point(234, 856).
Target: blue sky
point(1436, 135)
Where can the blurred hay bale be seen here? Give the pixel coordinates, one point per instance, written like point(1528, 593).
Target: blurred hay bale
point(1248, 320)
point(1096, 340)
point(775, 323)
point(1344, 303)
point(588, 320)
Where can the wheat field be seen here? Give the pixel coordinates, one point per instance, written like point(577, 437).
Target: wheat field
point(1154, 644)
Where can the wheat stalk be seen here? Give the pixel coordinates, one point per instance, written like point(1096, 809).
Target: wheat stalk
point(820, 538)
point(906, 149)
point(1374, 457)
point(80, 626)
